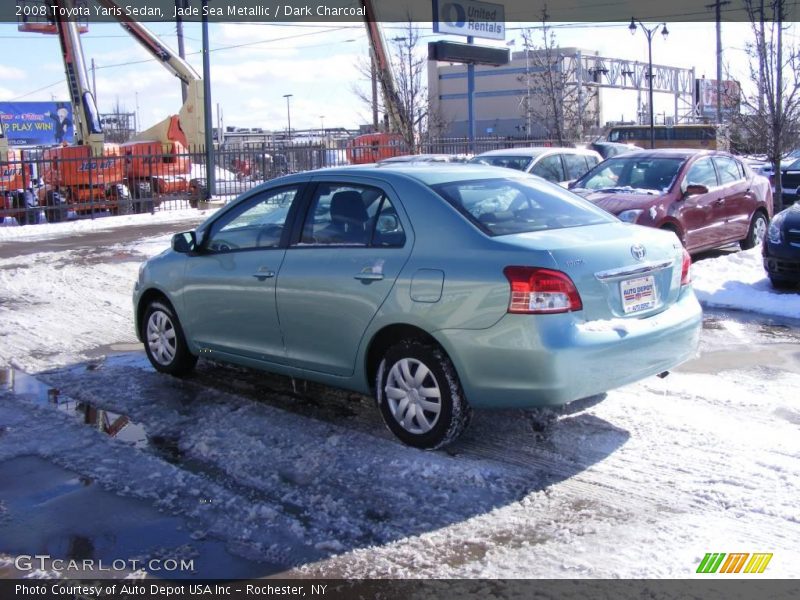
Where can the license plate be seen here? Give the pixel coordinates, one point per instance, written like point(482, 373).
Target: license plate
point(638, 294)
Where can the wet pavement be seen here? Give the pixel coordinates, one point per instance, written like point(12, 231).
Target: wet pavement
point(48, 509)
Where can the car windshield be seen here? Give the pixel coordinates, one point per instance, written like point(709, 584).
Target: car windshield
point(506, 206)
point(520, 163)
point(632, 174)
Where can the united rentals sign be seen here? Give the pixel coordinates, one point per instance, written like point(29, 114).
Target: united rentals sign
point(470, 18)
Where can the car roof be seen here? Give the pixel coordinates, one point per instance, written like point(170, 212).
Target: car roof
point(671, 153)
point(533, 151)
point(418, 158)
point(426, 173)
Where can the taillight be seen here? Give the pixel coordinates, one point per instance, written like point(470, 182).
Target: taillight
point(686, 276)
point(535, 290)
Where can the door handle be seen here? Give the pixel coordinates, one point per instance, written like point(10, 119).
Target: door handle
point(263, 274)
point(368, 276)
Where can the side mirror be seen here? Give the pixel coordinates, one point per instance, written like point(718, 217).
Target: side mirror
point(184, 242)
point(695, 189)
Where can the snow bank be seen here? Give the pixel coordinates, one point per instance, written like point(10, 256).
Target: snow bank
point(739, 281)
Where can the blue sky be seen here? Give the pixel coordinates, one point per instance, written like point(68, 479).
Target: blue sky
point(254, 64)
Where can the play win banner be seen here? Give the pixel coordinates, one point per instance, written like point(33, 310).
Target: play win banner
point(37, 123)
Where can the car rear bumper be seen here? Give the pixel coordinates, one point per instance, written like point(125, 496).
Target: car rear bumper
point(540, 360)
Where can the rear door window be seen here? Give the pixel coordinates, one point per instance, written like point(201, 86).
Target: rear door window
point(728, 169)
point(576, 165)
point(549, 168)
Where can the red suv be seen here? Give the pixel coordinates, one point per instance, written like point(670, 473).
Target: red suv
point(707, 198)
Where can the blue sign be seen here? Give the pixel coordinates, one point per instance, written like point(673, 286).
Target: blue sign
point(37, 123)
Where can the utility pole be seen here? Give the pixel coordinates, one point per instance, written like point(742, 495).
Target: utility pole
point(718, 7)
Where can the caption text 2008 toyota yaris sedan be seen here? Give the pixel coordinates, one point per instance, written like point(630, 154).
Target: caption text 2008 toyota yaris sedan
point(437, 289)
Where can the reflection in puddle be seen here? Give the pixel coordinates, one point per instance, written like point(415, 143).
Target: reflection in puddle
point(112, 424)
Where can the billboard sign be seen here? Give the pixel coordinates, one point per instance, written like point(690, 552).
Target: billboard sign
point(470, 18)
point(37, 123)
point(707, 97)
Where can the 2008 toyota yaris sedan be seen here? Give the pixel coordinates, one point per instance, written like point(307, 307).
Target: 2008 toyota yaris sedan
point(436, 289)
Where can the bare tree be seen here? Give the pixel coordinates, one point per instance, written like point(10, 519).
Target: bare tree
point(409, 73)
point(119, 126)
point(555, 100)
point(771, 110)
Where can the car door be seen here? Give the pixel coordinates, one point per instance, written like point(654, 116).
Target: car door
point(698, 213)
point(229, 291)
point(337, 272)
point(736, 202)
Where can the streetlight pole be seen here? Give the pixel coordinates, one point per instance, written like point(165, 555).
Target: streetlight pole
point(322, 125)
point(288, 118)
point(649, 33)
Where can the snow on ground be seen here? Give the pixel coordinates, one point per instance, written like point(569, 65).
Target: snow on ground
point(739, 281)
point(642, 484)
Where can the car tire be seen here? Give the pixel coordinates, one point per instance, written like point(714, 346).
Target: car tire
point(164, 341)
point(424, 420)
point(756, 232)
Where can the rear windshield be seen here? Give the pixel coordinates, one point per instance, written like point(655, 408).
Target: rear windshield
point(506, 206)
point(520, 163)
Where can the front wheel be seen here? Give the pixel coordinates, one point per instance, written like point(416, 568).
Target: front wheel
point(420, 396)
point(756, 233)
point(164, 341)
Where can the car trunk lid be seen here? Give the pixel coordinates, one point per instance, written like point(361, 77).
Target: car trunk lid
point(620, 270)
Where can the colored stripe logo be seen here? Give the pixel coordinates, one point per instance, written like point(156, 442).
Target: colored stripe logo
point(737, 562)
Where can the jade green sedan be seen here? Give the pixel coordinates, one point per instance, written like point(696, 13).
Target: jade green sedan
point(437, 289)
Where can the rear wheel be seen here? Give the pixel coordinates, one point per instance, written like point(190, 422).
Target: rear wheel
point(420, 396)
point(164, 341)
point(756, 233)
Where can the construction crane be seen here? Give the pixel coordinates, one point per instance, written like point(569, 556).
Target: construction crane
point(398, 119)
point(89, 174)
point(371, 147)
point(187, 127)
point(158, 159)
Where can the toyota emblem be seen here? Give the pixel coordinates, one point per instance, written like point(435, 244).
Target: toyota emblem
point(638, 251)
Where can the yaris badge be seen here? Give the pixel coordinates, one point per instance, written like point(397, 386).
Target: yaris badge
point(638, 251)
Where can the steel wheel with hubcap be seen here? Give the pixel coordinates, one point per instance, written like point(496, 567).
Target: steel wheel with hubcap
point(420, 396)
point(164, 341)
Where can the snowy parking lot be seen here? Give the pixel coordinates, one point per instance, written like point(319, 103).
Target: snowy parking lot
point(253, 475)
